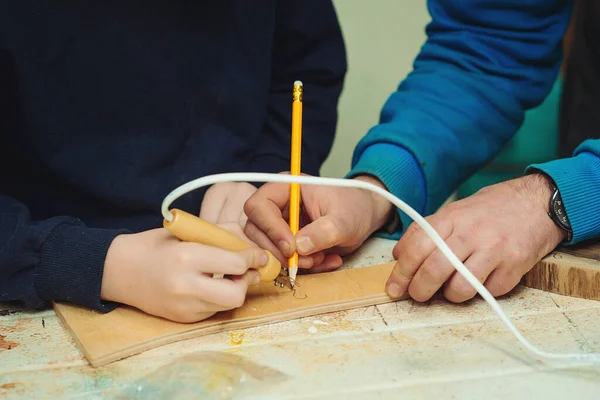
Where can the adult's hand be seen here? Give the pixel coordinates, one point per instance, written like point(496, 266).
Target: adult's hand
point(334, 222)
point(499, 233)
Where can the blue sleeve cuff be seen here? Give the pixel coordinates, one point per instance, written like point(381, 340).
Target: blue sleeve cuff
point(578, 180)
point(400, 172)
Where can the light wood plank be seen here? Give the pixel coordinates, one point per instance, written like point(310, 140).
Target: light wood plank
point(105, 338)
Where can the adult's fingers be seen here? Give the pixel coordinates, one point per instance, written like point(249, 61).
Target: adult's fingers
point(503, 279)
point(322, 234)
point(436, 269)
point(330, 262)
point(317, 259)
point(481, 264)
point(262, 240)
point(410, 253)
point(305, 262)
point(264, 210)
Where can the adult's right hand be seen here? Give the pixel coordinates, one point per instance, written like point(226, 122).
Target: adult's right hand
point(334, 222)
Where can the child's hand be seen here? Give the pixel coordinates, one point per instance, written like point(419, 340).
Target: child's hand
point(163, 276)
point(224, 202)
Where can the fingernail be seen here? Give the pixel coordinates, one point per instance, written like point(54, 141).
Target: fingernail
point(305, 262)
point(255, 279)
point(284, 247)
point(263, 259)
point(393, 290)
point(335, 262)
point(305, 244)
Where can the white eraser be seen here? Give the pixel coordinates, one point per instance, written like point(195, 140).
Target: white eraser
point(298, 83)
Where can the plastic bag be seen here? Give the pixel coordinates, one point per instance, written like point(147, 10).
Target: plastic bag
point(205, 375)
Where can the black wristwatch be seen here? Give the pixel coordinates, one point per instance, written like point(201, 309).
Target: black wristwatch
point(558, 213)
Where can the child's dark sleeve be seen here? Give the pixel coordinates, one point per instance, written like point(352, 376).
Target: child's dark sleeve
point(54, 259)
point(308, 46)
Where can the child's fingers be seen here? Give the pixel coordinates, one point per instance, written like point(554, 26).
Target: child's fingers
point(213, 202)
point(213, 260)
point(226, 293)
point(236, 229)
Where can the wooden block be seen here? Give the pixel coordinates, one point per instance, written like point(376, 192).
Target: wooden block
point(126, 331)
point(572, 271)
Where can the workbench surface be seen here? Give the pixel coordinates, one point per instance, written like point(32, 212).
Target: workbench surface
point(398, 350)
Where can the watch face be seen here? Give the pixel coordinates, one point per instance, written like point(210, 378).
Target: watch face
point(558, 210)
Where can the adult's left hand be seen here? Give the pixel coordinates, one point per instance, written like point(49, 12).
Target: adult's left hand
point(499, 233)
point(224, 202)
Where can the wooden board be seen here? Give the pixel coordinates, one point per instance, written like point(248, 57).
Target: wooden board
point(105, 338)
point(570, 271)
point(126, 331)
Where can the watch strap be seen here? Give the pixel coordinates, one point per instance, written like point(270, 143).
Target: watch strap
point(557, 212)
point(392, 224)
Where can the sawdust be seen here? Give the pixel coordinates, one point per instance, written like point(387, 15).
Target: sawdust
point(337, 321)
point(66, 360)
point(399, 338)
point(12, 388)
point(19, 326)
point(338, 358)
point(7, 344)
point(11, 385)
point(236, 338)
point(480, 331)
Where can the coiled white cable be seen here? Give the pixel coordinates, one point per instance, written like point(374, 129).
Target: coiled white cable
point(415, 216)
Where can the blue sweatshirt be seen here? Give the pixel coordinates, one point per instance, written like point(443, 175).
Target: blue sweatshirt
point(105, 107)
point(483, 65)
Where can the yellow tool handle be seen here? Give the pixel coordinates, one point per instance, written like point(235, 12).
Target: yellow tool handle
point(189, 228)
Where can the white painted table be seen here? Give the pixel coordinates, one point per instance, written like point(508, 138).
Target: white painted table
point(402, 350)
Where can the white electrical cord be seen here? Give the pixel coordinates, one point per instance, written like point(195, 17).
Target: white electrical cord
point(415, 216)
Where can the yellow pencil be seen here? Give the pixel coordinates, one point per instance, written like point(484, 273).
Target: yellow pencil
point(295, 170)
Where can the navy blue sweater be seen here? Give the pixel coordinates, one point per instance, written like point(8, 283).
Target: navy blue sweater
point(105, 107)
